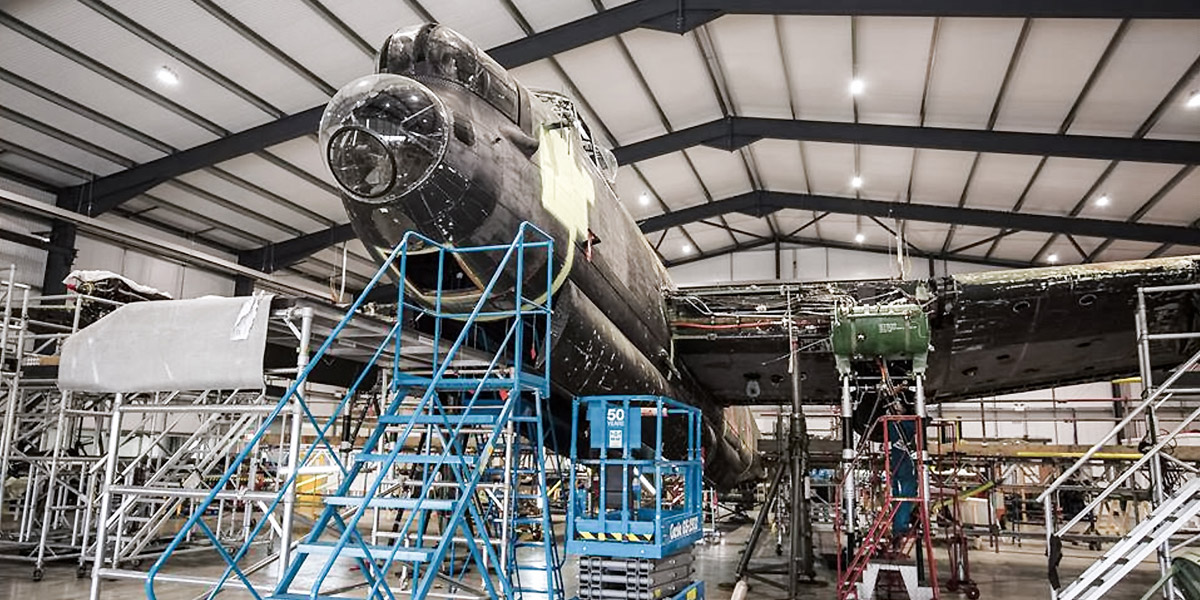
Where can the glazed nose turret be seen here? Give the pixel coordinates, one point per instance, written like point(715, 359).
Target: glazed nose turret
point(383, 136)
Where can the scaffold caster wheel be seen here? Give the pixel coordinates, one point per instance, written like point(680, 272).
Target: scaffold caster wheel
point(952, 585)
point(81, 572)
point(38, 573)
point(778, 550)
point(973, 593)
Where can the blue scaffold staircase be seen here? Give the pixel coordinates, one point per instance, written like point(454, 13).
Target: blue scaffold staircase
point(457, 457)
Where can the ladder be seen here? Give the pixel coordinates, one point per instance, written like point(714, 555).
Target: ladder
point(444, 457)
point(1140, 543)
point(1167, 516)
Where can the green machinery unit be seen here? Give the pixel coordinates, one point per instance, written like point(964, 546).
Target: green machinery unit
point(887, 331)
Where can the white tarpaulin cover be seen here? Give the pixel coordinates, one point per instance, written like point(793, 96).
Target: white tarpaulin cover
point(200, 344)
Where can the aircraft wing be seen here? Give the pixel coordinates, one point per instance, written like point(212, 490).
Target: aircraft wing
point(993, 332)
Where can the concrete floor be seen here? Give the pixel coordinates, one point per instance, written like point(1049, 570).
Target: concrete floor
point(1015, 572)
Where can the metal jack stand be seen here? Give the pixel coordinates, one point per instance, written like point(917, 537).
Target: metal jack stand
point(797, 567)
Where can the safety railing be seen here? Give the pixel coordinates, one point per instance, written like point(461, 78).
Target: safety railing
point(505, 371)
point(1154, 457)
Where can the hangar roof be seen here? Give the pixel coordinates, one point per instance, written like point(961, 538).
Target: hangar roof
point(737, 123)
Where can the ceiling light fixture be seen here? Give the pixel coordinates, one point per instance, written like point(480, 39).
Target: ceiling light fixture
point(857, 86)
point(859, 238)
point(856, 182)
point(687, 248)
point(1053, 258)
point(1102, 200)
point(166, 75)
point(644, 199)
point(1193, 99)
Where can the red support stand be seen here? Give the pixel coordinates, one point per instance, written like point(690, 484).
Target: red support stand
point(879, 552)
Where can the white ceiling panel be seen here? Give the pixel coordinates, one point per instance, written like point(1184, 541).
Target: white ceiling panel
point(486, 23)
point(271, 210)
point(1180, 122)
point(941, 176)
point(674, 245)
point(1061, 184)
point(755, 225)
point(37, 170)
point(927, 236)
point(196, 32)
point(539, 75)
point(999, 180)
point(304, 152)
point(818, 56)
point(1020, 246)
point(49, 146)
point(724, 173)
point(1150, 59)
point(175, 195)
point(709, 238)
point(672, 178)
point(1126, 250)
point(58, 73)
point(884, 171)
point(1057, 59)
point(630, 188)
point(307, 39)
point(748, 51)
point(264, 174)
point(1181, 205)
point(229, 239)
point(780, 165)
point(830, 168)
point(674, 70)
point(1128, 187)
point(17, 99)
point(842, 228)
point(1182, 251)
point(546, 15)
point(965, 236)
point(789, 221)
point(1065, 253)
point(89, 33)
point(892, 58)
point(375, 21)
point(972, 56)
point(605, 78)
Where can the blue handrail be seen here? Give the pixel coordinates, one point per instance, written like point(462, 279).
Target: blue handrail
point(442, 362)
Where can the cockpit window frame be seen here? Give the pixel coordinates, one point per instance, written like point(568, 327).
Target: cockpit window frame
point(486, 78)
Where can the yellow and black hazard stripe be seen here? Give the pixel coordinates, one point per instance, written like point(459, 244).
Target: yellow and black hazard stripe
point(616, 537)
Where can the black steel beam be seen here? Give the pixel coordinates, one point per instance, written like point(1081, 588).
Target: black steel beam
point(272, 257)
point(731, 133)
point(670, 15)
point(106, 193)
point(60, 256)
point(823, 243)
point(763, 203)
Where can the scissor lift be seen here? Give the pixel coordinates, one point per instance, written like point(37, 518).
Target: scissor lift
point(636, 498)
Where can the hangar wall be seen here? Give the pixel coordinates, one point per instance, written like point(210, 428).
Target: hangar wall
point(810, 263)
point(179, 280)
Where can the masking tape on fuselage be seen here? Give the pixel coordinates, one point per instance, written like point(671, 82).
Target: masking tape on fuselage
point(568, 192)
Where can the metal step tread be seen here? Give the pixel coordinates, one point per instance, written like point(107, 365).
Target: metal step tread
point(404, 458)
point(377, 552)
point(393, 503)
point(444, 419)
point(524, 381)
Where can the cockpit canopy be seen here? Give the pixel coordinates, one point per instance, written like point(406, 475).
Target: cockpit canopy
point(432, 50)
